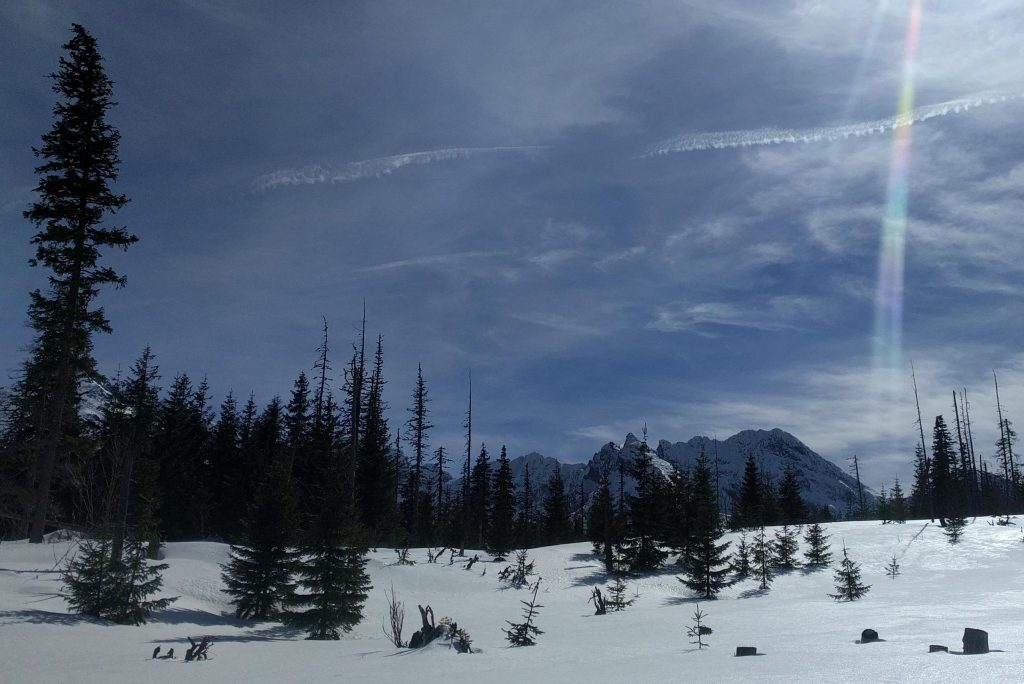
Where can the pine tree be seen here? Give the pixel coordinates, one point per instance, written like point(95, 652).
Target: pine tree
point(413, 504)
point(80, 161)
point(817, 553)
point(705, 560)
point(331, 568)
point(298, 426)
point(525, 633)
point(944, 488)
point(603, 526)
point(742, 565)
point(893, 568)
point(479, 498)
point(882, 506)
point(764, 559)
point(376, 472)
point(113, 588)
point(503, 508)
point(791, 504)
point(555, 516)
point(259, 573)
point(920, 497)
point(786, 548)
point(617, 594)
point(955, 525)
point(897, 504)
point(747, 512)
point(526, 519)
point(847, 579)
point(641, 546)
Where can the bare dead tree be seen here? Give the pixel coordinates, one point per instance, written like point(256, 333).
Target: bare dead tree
point(396, 618)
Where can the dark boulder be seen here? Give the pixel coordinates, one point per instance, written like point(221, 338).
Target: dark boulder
point(868, 635)
point(934, 648)
point(746, 650)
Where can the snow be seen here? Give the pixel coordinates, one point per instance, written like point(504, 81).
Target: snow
point(804, 635)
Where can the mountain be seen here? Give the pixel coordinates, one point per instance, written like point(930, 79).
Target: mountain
point(822, 483)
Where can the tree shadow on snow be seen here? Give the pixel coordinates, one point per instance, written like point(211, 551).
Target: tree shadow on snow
point(580, 557)
point(201, 618)
point(753, 593)
point(275, 633)
point(46, 617)
point(682, 600)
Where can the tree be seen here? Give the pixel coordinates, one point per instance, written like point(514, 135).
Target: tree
point(479, 498)
point(955, 525)
point(786, 548)
point(698, 630)
point(944, 490)
point(617, 594)
point(376, 472)
point(705, 561)
point(555, 516)
point(764, 559)
point(526, 519)
point(331, 568)
point(416, 428)
point(603, 527)
point(641, 546)
point(503, 508)
point(847, 580)
point(525, 633)
point(80, 161)
point(747, 511)
point(920, 498)
point(259, 573)
point(817, 553)
point(742, 566)
point(791, 504)
point(114, 588)
point(897, 503)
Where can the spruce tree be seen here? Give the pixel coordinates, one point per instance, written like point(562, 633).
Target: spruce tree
point(331, 567)
point(79, 162)
point(742, 565)
point(747, 511)
point(603, 525)
point(617, 600)
point(555, 516)
point(847, 580)
point(525, 633)
point(786, 548)
point(298, 426)
point(503, 508)
point(897, 503)
point(416, 501)
point(259, 573)
point(705, 560)
point(376, 471)
point(526, 522)
point(764, 558)
point(882, 506)
point(791, 504)
point(641, 545)
point(920, 497)
point(479, 498)
point(955, 525)
point(817, 554)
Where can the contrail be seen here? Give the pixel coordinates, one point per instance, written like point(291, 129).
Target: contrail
point(375, 168)
point(691, 142)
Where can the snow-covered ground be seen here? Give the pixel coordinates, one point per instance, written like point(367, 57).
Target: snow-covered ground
point(803, 634)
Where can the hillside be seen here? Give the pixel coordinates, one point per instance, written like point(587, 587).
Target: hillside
point(804, 635)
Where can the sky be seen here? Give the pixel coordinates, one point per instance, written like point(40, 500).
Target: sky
point(699, 217)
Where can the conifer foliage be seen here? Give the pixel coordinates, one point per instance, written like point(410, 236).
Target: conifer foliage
point(525, 633)
point(847, 580)
point(817, 554)
point(705, 560)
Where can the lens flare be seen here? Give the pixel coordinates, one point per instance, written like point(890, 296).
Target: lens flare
point(888, 337)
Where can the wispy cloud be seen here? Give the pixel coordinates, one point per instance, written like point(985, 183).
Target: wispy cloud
point(432, 260)
point(375, 168)
point(776, 314)
point(691, 142)
point(620, 256)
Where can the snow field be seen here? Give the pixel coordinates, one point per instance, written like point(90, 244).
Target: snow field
point(803, 634)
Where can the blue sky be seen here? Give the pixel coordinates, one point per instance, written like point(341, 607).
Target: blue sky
point(271, 152)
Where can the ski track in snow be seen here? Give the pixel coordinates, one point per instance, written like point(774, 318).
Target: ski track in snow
point(692, 142)
point(375, 168)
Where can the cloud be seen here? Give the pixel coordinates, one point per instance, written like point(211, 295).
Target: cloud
point(618, 257)
point(773, 314)
point(692, 142)
point(376, 168)
point(432, 260)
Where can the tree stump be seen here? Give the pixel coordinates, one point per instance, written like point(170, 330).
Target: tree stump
point(975, 641)
point(935, 648)
point(746, 651)
point(868, 635)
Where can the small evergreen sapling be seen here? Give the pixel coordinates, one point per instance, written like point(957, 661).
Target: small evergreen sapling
point(786, 548)
point(817, 554)
point(517, 575)
point(764, 558)
point(525, 633)
point(698, 630)
point(617, 594)
point(741, 563)
point(893, 568)
point(847, 579)
point(955, 525)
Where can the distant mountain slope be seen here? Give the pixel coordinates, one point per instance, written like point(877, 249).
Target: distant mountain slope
point(822, 483)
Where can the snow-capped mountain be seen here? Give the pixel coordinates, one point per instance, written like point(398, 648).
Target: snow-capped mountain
point(822, 483)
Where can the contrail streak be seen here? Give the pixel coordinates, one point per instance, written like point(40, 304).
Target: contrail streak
point(691, 142)
point(375, 168)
